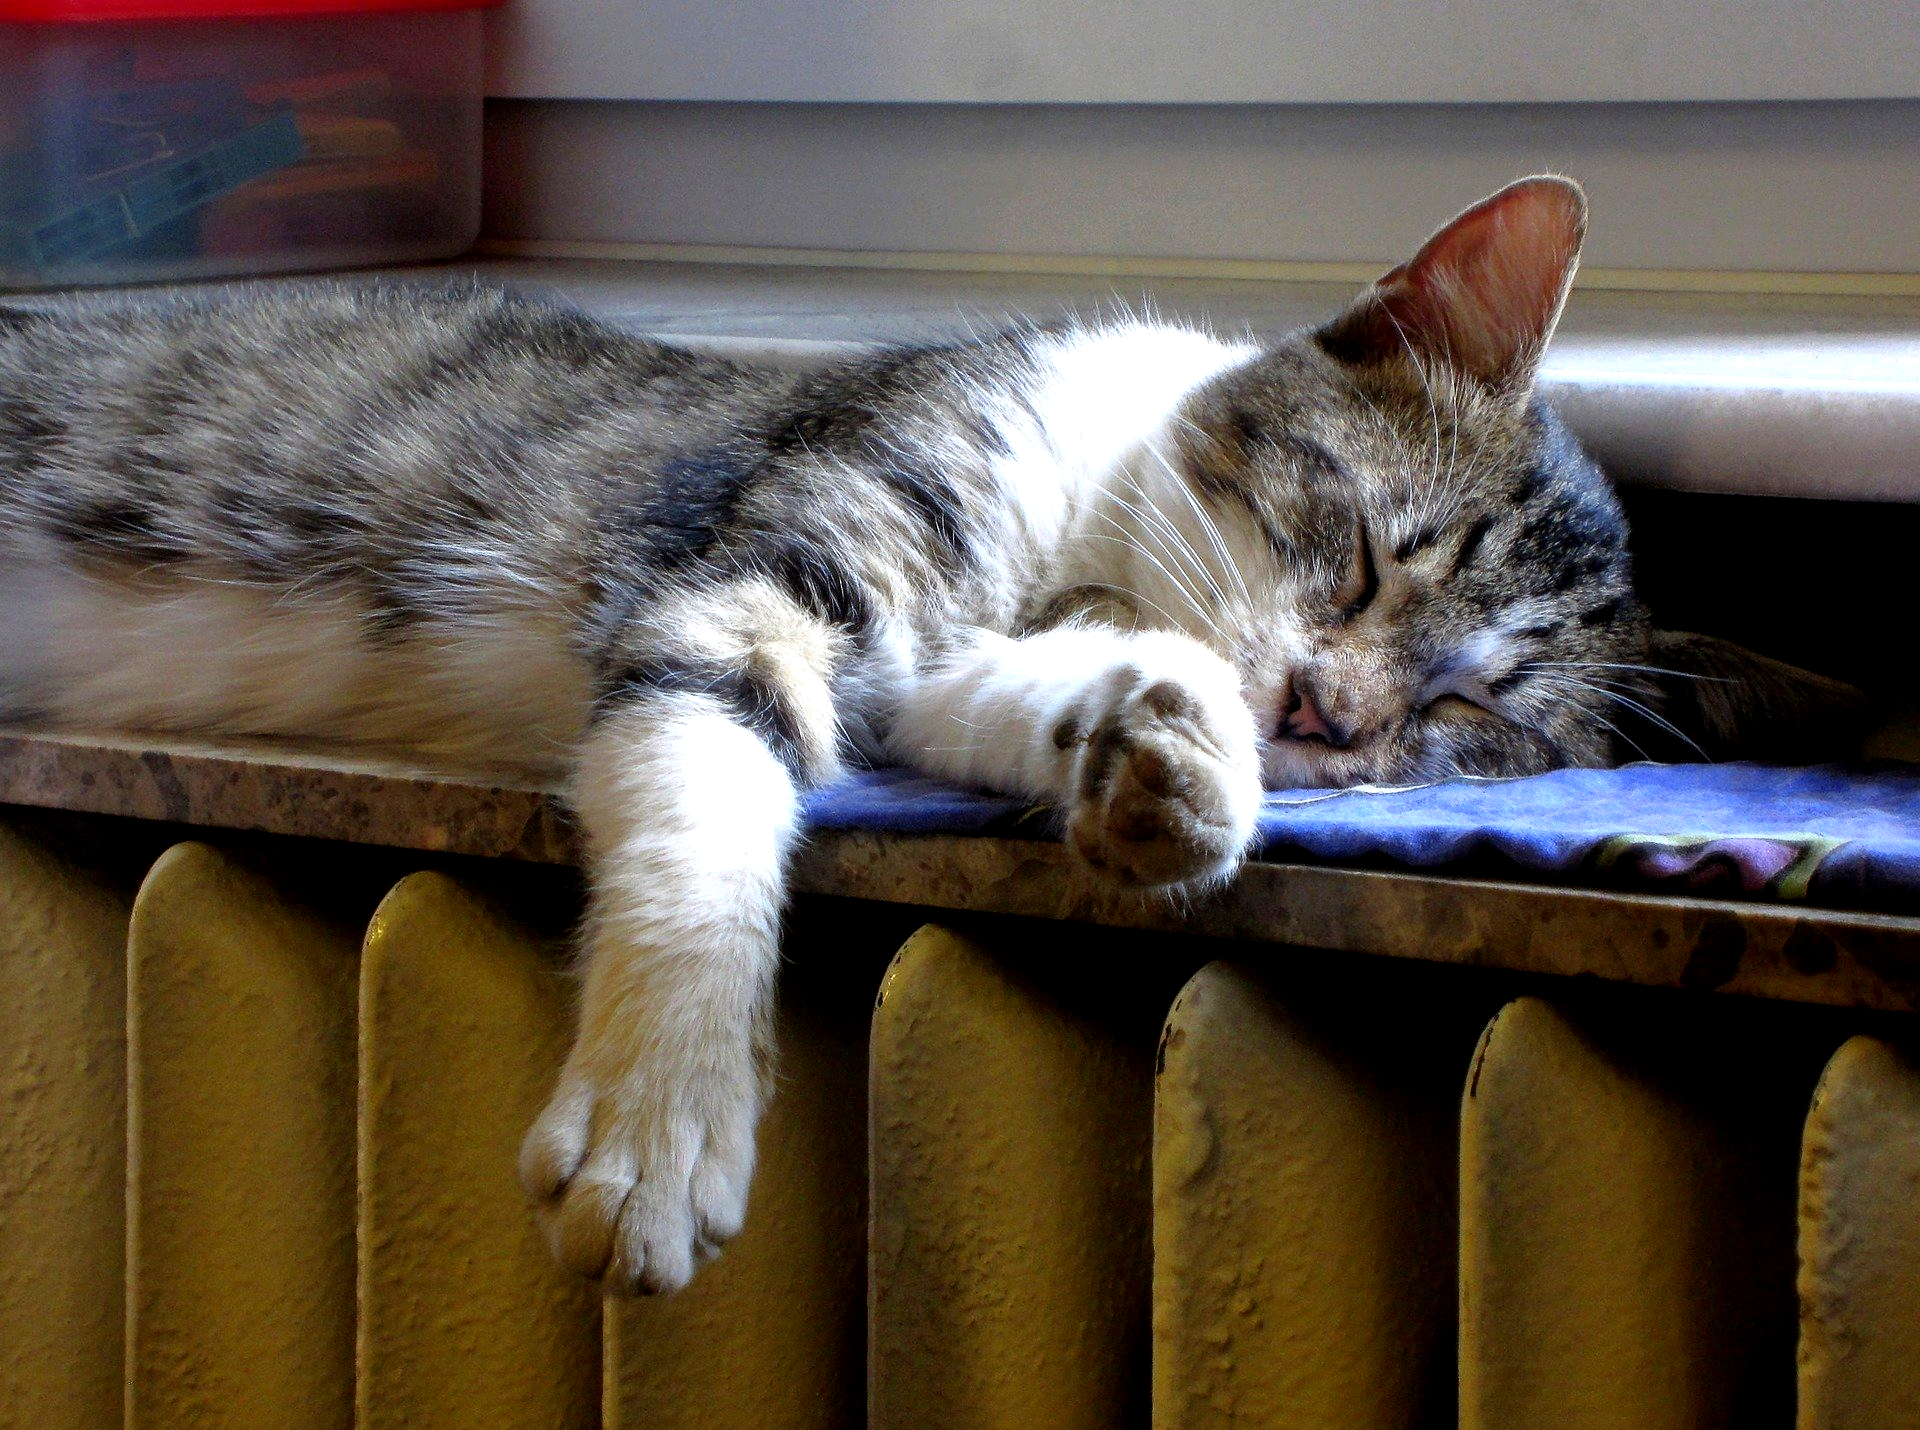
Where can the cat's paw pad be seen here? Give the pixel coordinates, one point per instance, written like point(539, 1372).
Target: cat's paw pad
point(1166, 787)
point(637, 1194)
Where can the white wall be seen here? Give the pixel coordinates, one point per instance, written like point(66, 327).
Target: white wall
point(1827, 187)
point(1205, 51)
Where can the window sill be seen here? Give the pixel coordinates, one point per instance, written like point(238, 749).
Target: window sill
point(1775, 395)
point(1784, 395)
point(360, 796)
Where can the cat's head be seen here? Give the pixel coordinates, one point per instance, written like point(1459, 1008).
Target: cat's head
point(1418, 570)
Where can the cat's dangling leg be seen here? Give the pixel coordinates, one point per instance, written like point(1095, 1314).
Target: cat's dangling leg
point(687, 789)
point(642, 1160)
point(1142, 738)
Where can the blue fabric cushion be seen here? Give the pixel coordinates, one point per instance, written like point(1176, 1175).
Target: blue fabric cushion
point(1829, 834)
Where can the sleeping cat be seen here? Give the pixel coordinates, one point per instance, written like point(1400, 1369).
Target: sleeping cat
point(1130, 569)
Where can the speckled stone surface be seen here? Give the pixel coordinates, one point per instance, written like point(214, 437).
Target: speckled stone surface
point(348, 796)
point(361, 797)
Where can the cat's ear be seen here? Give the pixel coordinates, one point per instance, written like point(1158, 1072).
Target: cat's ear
point(1483, 294)
point(1727, 703)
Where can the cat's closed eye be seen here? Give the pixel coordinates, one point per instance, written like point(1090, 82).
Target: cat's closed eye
point(1362, 582)
point(1508, 682)
point(1451, 706)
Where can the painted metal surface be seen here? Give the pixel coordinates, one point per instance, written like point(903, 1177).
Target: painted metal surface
point(1860, 1243)
point(63, 933)
point(1010, 1111)
point(1305, 1155)
point(464, 1320)
point(1627, 1159)
point(1626, 1219)
point(240, 1154)
point(772, 1335)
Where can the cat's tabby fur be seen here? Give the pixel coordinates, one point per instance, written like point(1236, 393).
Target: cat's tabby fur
point(1130, 569)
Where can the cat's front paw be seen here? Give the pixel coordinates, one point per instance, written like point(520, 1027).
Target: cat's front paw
point(640, 1176)
point(1167, 784)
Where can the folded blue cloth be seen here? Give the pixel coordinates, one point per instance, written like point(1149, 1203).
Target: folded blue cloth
point(1827, 834)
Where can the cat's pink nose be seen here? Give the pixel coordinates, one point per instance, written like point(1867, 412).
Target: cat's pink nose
point(1304, 716)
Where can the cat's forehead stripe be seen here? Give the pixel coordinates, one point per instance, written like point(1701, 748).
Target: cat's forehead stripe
point(1470, 543)
point(1411, 546)
point(1314, 456)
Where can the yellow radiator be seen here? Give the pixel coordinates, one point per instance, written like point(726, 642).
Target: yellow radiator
point(260, 1101)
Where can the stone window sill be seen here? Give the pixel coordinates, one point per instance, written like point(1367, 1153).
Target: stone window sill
point(1767, 395)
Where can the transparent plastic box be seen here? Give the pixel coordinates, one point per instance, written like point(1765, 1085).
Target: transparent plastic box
point(149, 140)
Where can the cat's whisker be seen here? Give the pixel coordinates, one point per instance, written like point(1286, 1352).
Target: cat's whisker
point(1444, 494)
point(1434, 496)
point(1182, 551)
point(1186, 547)
point(1595, 715)
point(1452, 488)
point(1207, 521)
point(1433, 414)
point(1602, 718)
point(1153, 525)
point(1175, 553)
point(1658, 720)
point(1453, 412)
point(1630, 665)
point(1132, 595)
point(1611, 683)
point(1615, 682)
point(1208, 525)
point(1130, 541)
point(1193, 600)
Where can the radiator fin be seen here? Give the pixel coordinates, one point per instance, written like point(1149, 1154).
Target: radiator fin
point(772, 1335)
point(1625, 1226)
point(63, 976)
point(240, 1152)
point(464, 1319)
point(1305, 1154)
point(1860, 1242)
point(1010, 1127)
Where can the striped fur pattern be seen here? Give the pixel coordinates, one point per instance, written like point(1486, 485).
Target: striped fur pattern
point(1129, 569)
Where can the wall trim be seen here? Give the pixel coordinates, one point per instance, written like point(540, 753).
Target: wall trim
point(1247, 270)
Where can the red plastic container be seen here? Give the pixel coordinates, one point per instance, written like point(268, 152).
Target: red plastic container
point(143, 140)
